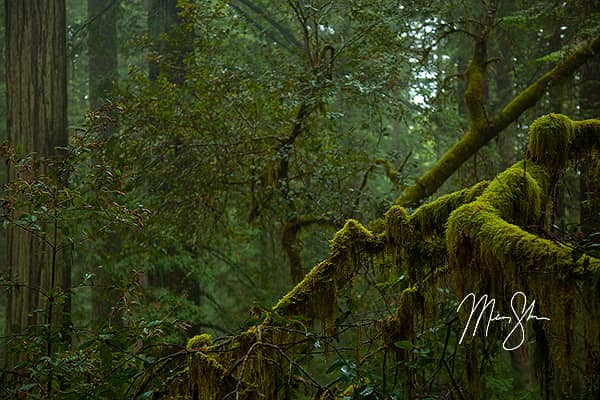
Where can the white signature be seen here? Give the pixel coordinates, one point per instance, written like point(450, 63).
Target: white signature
point(520, 317)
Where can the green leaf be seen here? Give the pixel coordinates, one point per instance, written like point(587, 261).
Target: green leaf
point(145, 395)
point(367, 391)
point(27, 387)
point(404, 344)
point(335, 366)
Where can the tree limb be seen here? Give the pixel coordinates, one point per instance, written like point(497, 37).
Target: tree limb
point(480, 134)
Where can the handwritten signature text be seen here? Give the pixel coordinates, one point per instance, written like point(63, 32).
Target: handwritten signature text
point(517, 333)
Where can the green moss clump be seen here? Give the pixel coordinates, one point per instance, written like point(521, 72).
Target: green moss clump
point(353, 236)
point(431, 218)
point(398, 229)
point(550, 139)
point(199, 341)
point(516, 195)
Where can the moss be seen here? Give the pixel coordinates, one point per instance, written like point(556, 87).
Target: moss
point(473, 140)
point(400, 325)
point(492, 242)
point(199, 341)
point(390, 172)
point(417, 240)
point(516, 195)
point(314, 297)
point(475, 77)
point(550, 138)
point(587, 135)
point(432, 218)
point(208, 378)
point(353, 236)
point(490, 247)
point(398, 229)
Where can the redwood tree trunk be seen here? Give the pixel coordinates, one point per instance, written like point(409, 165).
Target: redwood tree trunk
point(36, 99)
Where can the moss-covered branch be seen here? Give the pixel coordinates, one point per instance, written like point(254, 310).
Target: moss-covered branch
point(492, 236)
point(480, 134)
point(496, 241)
point(315, 296)
point(291, 245)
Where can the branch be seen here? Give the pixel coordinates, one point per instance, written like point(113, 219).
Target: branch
point(291, 246)
point(479, 135)
point(285, 32)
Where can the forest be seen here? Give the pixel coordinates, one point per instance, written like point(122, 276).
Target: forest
point(300, 199)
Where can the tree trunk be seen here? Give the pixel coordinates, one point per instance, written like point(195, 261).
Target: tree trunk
point(36, 123)
point(590, 177)
point(162, 16)
point(102, 50)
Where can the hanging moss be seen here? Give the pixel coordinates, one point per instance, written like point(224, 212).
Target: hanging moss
point(417, 240)
point(431, 218)
point(550, 140)
point(315, 296)
point(493, 242)
point(493, 235)
point(587, 135)
point(208, 379)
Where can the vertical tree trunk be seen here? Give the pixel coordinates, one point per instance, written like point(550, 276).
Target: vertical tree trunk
point(590, 177)
point(102, 50)
point(162, 16)
point(36, 123)
point(590, 211)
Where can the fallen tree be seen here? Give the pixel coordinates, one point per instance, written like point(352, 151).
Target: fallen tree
point(491, 239)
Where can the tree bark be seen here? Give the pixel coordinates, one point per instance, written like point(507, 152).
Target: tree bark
point(36, 87)
point(162, 16)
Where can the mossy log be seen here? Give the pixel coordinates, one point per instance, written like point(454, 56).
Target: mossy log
point(492, 237)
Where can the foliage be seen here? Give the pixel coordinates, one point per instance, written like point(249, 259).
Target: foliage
point(76, 360)
point(268, 127)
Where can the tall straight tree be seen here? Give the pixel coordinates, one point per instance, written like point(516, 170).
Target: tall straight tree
point(162, 17)
point(102, 50)
point(36, 93)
